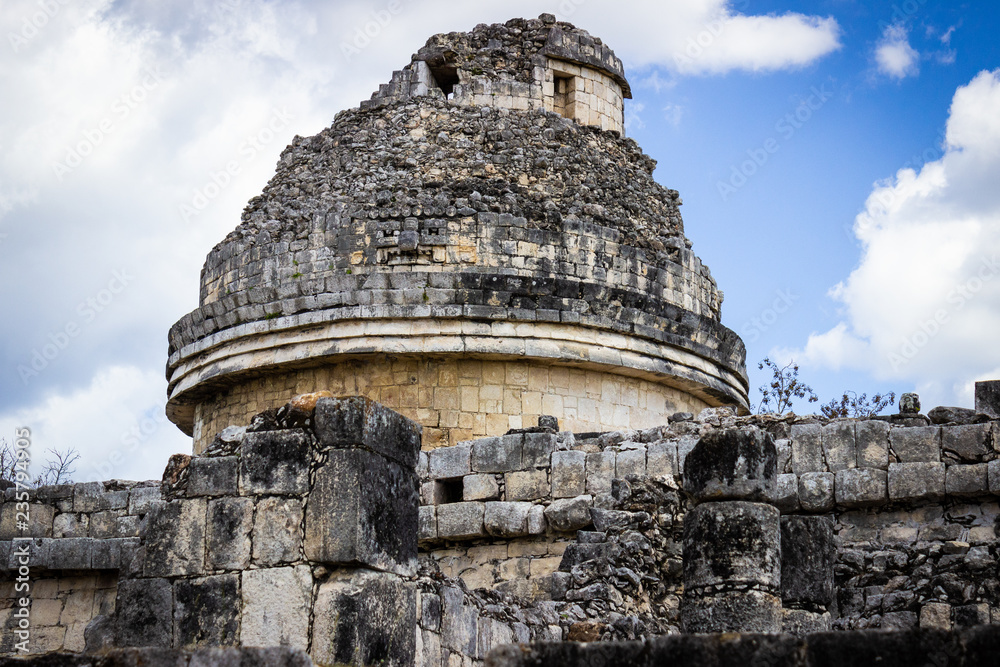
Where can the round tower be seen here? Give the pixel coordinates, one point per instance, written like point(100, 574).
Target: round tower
point(475, 246)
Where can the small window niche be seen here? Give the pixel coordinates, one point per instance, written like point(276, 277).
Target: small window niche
point(446, 78)
point(565, 95)
point(448, 491)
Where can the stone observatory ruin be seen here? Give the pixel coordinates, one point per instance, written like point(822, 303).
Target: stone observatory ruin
point(460, 396)
point(476, 246)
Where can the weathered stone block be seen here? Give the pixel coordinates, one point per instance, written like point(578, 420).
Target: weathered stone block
point(460, 521)
point(205, 612)
point(358, 421)
point(175, 539)
point(710, 531)
point(526, 485)
point(800, 622)
point(459, 623)
point(480, 487)
point(427, 523)
point(873, 444)
point(141, 498)
point(749, 611)
point(107, 554)
point(536, 450)
point(861, 487)
point(993, 476)
point(816, 491)
point(570, 513)
point(70, 525)
point(363, 508)
point(143, 613)
point(988, 398)
point(104, 525)
point(661, 460)
point(630, 462)
point(968, 444)
point(449, 462)
point(213, 476)
point(277, 531)
point(275, 462)
point(916, 444)
point(569, 474)
point(39, 523)
point(783, 448)
point(502, 454)
point(600, 471)
point(276, 604)
point(507, 519)
point(733, 464)
point(75, 553)
point(936, 616)
point(787, 495)
point(536, 520)
point(91, 497)
point(967, 480)
point(808, 554)
point(228, 530)
point(807, 448)
point(839, 448)
point(915, 481)
point(365, 618)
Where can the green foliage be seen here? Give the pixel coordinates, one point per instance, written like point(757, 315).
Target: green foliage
point(785, 387)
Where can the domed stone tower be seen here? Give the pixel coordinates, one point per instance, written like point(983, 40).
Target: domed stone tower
point(475, 246)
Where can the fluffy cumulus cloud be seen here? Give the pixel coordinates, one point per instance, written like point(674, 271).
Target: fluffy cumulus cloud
point(923, 306)
point(132, 133)
point(893, 54)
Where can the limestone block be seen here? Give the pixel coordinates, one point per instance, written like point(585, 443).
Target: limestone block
point(506, 519)
point(537, 449)
point(205, 611)
point(480, 487)
point(749, 611)
point(921, 444)
point(873, 444)
point(968, 444)
point(839, 448)
point(107, 554)
point(460, 521)
point(74, 553)
point(988, 398)
point(899, 621)
point(91, 497)
point(569, 514)
point(861, 487)
point(70, 525)
point(710, 531)
point(277, 531)
point(449, 462)
point(993, 476)
point(526, 485)
point(787, 494)
point(141, 498)
point(783, 448)
point(228, 531)
point(600, 471)
point(661, 460)
point(363, 508)
point(967, 480)
point(39, 523)
point(143, 611)
point(104, 525)
point(427, 523)
point(175, 539)
point(536, 520)
point(569, 474)
point(275, 462)
point(365, 618)
point(358, 421)
point(816, 491)
point(936, 616)
point(807, 448)
point(684, 446)
point(276, 605)
point(970, 615)
point(915, 481)
point(501, 454)
point(808, 554)
point(459, 622)
point(800, 622)
point(213, 476)
point(630, 462)
point(733, 464)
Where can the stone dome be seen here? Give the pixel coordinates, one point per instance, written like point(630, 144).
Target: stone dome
point(475, 246)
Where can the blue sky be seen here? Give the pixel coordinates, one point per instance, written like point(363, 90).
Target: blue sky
point(787, 127)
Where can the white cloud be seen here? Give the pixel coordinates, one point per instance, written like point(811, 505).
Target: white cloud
point(894, 55)
point(923, 306)
point(673, 114)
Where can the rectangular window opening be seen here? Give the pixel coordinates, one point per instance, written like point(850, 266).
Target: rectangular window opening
point(564, 95)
